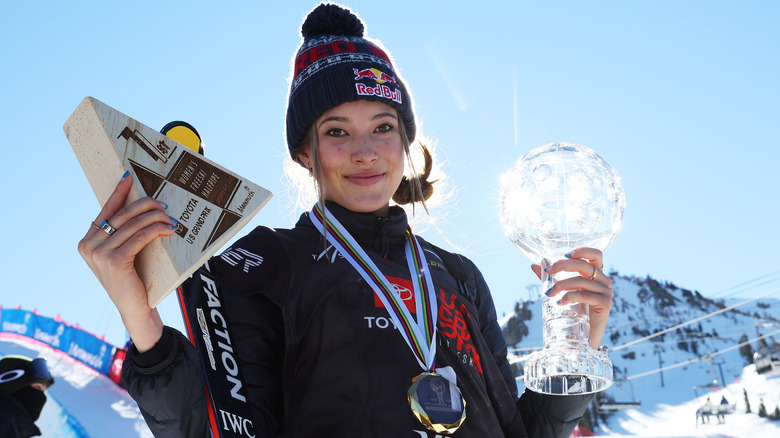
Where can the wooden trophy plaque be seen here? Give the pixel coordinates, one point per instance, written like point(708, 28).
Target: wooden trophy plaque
point(210, 202)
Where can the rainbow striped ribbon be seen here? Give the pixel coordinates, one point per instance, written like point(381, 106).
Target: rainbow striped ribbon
point(419, 333)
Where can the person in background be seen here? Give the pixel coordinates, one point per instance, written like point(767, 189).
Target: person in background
point(23, 383)
point(722, 409)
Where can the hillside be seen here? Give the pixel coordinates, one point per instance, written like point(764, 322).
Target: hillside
point(673, 372)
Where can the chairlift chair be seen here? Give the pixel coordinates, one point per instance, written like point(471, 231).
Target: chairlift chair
point(612, 406)
point(714, 408)
point(767, 361)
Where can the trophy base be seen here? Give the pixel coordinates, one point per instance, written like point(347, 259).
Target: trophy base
point(568, 370)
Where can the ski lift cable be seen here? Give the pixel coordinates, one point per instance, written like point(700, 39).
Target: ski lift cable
point(758, 338)
point(732, 290)
point(531, 349)
point(612, 329)
point(685, 340)
point(650, 319)
point(698, 359)
point(662, 332)
point(707, 337)
point(764, 283)
point(522, 358)
point(647, 373)
point(701, 358)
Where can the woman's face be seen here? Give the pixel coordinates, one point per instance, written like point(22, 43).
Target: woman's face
point(362, 155)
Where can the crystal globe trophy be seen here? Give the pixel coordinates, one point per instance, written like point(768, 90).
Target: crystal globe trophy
point(556, 198)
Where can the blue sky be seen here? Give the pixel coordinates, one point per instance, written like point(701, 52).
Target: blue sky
point(680, 97)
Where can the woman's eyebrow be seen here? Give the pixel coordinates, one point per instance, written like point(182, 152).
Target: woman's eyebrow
point(347, 119)
point(334, 119)
point(384, 114)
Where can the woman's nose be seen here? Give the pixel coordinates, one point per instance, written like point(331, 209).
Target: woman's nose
point(365, 150)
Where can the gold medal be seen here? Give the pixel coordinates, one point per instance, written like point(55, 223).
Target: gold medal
point(437, 403)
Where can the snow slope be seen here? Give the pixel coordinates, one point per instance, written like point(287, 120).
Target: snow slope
point(82, 403)
point(669, 399)
point(676, 416)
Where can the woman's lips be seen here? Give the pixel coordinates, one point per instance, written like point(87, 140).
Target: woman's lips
point(365, 179)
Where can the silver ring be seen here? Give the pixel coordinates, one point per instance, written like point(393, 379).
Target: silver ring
point(105, 226)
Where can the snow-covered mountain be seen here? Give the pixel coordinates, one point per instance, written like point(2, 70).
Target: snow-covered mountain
point(672, 372)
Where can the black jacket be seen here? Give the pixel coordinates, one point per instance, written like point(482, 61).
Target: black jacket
point(320, 355)
point(15, 421)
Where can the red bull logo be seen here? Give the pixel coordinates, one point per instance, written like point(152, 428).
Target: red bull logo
point(372, 73)
point(380, 90)
point(381, 78)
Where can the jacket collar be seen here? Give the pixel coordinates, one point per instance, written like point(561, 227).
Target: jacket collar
point(384, 235)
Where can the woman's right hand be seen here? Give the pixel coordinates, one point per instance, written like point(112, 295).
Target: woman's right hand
point(112, 258)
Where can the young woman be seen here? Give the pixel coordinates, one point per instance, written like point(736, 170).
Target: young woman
point(351, 325)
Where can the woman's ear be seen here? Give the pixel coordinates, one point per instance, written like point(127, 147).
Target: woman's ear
point(304, 158)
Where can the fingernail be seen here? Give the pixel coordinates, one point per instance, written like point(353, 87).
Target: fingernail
point(559, 302)
point(174, 227)
point(164, 205)
point(127, 172)
point(546, 269)
point(548, 291)
point(174, 220)
point(568, 256)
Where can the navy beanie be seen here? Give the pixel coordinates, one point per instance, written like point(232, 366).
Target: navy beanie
point(336, 64)
point(17, 372)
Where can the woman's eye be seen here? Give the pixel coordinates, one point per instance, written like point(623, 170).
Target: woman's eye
point(336, 132)
point(384, 127)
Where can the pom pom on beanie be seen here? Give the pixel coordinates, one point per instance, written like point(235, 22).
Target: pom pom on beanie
point(332, 20)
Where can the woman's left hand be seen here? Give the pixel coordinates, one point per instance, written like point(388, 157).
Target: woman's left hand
point(591, 287)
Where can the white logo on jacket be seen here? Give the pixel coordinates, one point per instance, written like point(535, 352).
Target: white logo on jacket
point(234, 256)
point(330, 257)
